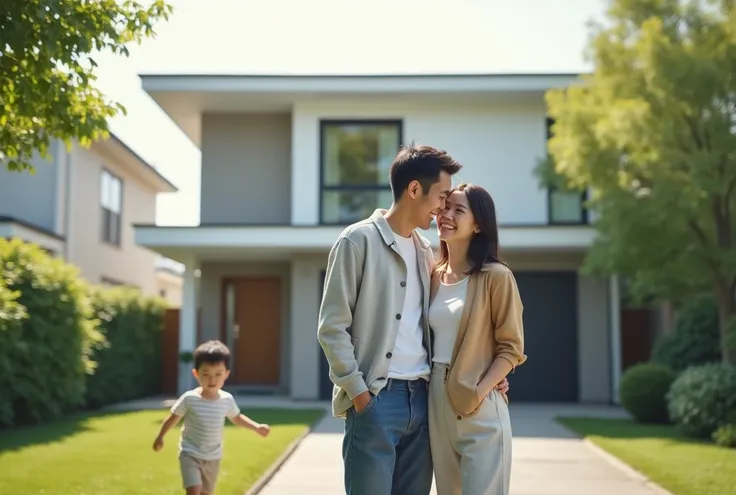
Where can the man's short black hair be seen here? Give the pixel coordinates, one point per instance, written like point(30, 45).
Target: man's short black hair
point(419, 163)
point(211, 352)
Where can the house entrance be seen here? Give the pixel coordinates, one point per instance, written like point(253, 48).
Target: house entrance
point(252, 321)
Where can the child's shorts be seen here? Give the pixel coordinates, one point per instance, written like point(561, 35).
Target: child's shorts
point(195, 472)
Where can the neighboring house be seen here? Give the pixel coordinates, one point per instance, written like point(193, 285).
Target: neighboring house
point(288, 161)
point(169, 281)
point(81, 205)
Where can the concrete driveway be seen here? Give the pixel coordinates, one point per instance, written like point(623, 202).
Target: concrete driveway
point(548, 459)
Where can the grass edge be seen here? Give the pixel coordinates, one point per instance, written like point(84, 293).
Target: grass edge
point(612, 459)
point(276, 466)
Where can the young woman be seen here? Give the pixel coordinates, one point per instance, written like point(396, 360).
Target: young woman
point(475, 317)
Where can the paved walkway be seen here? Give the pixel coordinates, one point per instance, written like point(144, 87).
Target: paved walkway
point(548, 459)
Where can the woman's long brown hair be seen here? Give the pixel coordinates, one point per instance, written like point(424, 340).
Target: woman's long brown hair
point(484, 247)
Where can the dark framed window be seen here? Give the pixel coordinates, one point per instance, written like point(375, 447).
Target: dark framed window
point(111, 204)
point(565, 207)
point(355, 160)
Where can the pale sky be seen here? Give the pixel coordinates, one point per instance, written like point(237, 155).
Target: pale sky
point(329, 36)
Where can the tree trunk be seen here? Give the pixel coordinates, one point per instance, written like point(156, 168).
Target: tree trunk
point(727, 321)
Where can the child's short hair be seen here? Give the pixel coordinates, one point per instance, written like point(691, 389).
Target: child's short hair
point(212, 352)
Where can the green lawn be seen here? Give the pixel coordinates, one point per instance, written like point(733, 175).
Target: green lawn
point(681, 465)
point(111, 454)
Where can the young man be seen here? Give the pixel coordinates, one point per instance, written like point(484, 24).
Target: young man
point(373, 330)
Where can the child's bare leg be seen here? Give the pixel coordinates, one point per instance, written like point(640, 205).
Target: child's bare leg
point(194, 490)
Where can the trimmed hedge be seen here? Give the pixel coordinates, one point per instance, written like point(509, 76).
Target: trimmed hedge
point(695, 339)
point(11, 316)
point(64, 344)
point(703, 398)
point(129, 361)
point(46, 335)
point(644, 390)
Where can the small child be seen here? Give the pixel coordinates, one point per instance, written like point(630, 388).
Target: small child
point(204, 410)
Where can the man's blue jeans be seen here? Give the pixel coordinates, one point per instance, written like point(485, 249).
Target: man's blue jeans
point(386, 446)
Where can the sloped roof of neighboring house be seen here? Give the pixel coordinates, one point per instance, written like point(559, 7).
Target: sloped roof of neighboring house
point(117, 148)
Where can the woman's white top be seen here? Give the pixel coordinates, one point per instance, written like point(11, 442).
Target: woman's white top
point(444, 318)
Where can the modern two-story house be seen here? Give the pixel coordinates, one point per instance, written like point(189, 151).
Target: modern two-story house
point(288, 161)
point(81, 205)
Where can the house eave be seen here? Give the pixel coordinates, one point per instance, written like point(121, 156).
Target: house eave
point(352, 83)
point(185, 97)
point(14, 228)
point(227, 241)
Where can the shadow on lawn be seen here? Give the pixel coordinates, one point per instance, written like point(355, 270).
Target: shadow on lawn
point(17, 438)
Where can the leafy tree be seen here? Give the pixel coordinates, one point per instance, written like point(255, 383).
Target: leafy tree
point(47, 73)
point(650, 133)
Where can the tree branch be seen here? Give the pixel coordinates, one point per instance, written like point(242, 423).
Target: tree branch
point(694, 132)
point(722, 226)
point(729, 191)
point(703, 238)
point(699, 233)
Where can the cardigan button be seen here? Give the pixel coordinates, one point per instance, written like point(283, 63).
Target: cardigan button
point(459, 418)
point(388, 355)
point(398, 317)
point(403, 284)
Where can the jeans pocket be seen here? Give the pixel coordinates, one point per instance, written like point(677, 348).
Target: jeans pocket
point(367, 407)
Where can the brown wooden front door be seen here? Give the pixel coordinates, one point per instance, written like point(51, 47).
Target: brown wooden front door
point(256, 330)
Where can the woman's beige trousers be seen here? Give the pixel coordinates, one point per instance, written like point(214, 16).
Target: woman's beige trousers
point(471, 456)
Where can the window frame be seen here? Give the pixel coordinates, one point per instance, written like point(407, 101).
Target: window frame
point(551, 190)
point(104, 228)
point(323, 125)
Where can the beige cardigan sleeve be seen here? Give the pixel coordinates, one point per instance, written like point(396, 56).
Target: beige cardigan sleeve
point(506, 318)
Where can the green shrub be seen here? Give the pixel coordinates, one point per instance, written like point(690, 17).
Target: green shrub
point(11, 316)
point(702, 398)
point(695, 339)
point(44, 357)
point(725, 436)
point(644, 389)
point(129, 361)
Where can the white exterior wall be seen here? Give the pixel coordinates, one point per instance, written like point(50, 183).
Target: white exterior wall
point(498, 144)
point(305, 349)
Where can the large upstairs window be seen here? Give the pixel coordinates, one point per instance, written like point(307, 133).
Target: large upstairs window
point(355, 160)
point(565, 207)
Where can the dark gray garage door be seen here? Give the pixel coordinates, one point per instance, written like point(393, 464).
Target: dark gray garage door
point(550, 338)
point(551, 343)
